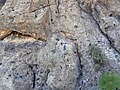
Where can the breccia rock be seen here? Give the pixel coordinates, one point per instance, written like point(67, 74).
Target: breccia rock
point(45, 44)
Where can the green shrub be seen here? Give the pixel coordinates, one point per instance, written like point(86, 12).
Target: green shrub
point(98, 56)
point(110, 81)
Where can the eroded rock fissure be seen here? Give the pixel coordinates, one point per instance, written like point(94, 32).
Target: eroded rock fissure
point(57, 4)
point(45, 77)
point(34, 79)
point(108, 38)
point(41, 7)
point(79, 66)
point(34, 75)
point(99, 28)
point(2, 37)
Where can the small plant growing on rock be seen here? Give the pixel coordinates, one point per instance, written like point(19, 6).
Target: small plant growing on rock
point(98, 56)
point(110, 81)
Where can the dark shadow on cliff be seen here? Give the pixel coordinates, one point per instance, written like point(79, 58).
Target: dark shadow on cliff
point(2, 2)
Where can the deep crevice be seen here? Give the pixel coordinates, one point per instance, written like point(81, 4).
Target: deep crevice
point(44, 84)
point(80, 66)
point(34, 79)
point(57, 4)
point(34, 75)
point(21, 34)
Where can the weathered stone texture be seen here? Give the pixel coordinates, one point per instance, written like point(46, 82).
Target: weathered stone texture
point(20, 16)
point(35, 66)
point(45, 43)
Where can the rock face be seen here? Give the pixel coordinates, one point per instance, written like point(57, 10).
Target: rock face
point(23, 17)
point(35, 66)
point(61, 58)
point(45, 44)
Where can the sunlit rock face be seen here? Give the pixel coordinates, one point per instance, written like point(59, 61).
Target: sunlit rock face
point(26, 17)
point(46, 44)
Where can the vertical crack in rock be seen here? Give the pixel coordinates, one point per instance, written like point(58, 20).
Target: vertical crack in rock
point(34, 79)
point(50, 12)
point(57, 4)
point(100, 30)
point(34, 75)
point(79, 67)
point(45, 77)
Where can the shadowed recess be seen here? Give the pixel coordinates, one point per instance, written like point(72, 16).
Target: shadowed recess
point(2, 2)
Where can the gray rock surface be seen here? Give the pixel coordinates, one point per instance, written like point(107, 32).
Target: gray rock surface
point(45, 44)
point(37, 66)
